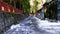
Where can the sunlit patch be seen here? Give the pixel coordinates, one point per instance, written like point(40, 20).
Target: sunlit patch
point(15, 26)
point(9, 10)
point(13, 11)
point(51, 31)
point(2, 8)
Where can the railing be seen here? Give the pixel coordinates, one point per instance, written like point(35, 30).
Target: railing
point(8, 8)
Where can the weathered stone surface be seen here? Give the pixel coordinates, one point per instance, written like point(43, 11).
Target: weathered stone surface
point(7, 19)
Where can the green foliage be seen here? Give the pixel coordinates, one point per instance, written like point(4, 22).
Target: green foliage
point(52, 10)
point(26, 6)
point(7, 1)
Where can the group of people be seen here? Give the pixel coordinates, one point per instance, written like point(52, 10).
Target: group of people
point(40, 13)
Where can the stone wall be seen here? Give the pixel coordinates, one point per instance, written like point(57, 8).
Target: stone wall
point(7, 19)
